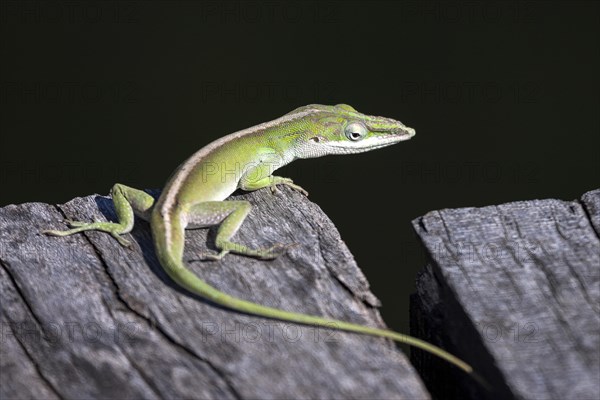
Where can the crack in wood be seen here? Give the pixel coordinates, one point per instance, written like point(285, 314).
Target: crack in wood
point(156, 326)
point(36, 366)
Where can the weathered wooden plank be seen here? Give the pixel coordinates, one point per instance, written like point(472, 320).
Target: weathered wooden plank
point(591, 203)
point(515, 290)
point(115, 326)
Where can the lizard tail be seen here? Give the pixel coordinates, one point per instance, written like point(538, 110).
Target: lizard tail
point(187, 279)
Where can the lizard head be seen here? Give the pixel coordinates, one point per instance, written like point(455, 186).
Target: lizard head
point(340, 129)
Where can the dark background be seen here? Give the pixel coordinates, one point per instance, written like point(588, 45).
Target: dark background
point(504, 98)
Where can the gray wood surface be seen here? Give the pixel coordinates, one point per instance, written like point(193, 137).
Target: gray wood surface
point(513, 289)
point(84, 318)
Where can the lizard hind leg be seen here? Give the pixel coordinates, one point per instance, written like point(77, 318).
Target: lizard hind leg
point(229, 215)
point(128, 202)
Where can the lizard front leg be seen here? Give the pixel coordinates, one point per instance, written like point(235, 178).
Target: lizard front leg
point(128, 202)
point(260, 177)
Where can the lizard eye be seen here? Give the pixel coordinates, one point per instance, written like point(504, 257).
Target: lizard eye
point(355, 131)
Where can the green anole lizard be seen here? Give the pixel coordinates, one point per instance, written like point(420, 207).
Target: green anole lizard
point(194, 198)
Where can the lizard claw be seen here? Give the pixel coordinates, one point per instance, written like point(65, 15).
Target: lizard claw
point(121, 240)
point(290, 183)
point(211, 256)
point(276, 250)
point(300, 189)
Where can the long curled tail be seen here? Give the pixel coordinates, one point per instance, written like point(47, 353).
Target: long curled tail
point(187, 279)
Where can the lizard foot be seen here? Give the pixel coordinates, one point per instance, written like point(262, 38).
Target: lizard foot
point(290, 183)
point(275, 251)
point(115, 230)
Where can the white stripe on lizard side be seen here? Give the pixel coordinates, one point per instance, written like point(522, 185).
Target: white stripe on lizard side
point(197, 157)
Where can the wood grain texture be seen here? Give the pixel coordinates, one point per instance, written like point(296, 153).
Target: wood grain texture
point(84, 318)
point(513, 289)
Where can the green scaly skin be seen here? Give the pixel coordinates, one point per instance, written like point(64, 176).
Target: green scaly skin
point(194, 197)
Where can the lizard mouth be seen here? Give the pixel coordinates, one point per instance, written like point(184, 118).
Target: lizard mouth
point(396, 136)
point(405, 133)
point(372, 143)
